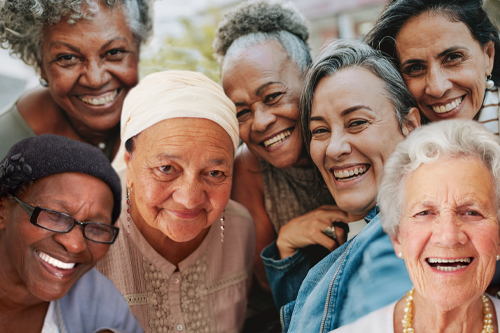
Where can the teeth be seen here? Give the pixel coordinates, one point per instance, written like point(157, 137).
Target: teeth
point(277, 139)
point(101, 100)
point(55, 262)
point(448, 261)
point(349, 173)
point(449, 268)
point(448, 107)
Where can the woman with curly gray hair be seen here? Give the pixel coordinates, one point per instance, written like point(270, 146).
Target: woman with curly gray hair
point(439, 200)
point(86, 52)
point(262, 48)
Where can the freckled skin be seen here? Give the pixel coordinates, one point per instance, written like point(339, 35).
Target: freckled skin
point(449, 212)
point(365, 137)
point(438, 79)
point(275, 108)
point(180, 175)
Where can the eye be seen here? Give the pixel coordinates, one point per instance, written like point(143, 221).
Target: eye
point(272, 97)
point(452, 57)
point(319, 131)
point(216, 176)
point(414, 69)
point(423, 213)
point(115, 54)
point(357, 123)
point(471, 213)
point(167, 169)
point(67, 60)
point(243, 113)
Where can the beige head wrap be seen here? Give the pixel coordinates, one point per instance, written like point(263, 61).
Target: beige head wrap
point(174, 94)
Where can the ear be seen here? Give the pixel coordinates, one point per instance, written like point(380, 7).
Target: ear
point(128, 161)
point(413, 121)
point(4, 203)
point(396, 244)
point(489, 55)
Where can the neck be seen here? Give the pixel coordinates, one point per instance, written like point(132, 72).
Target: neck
point(174, 252)
point(431, 317)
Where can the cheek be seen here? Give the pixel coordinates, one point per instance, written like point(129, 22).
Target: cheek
point(127, 72)
point(318, 151)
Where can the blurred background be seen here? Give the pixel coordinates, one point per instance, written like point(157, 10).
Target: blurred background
point(184, 31)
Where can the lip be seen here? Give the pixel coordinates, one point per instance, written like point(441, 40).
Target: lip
point(55, 271)
point(185, 215)
point(348, 183)
point(278, 145)
point(450, 114)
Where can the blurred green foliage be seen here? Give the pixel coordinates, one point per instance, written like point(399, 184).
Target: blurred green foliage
point(191, 51)
point(493, 9)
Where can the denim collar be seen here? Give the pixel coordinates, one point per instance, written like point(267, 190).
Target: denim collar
point(374, 212)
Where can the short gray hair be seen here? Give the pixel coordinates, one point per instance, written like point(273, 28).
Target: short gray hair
point(22, 21)
point(428, 144)
point(255, 22)
point(342, 54)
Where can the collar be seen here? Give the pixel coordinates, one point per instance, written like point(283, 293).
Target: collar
point(371, 215)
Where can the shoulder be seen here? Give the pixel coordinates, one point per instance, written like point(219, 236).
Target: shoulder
point(247, 170)
point(379, 321)
point(239, 221)
point(13, 128)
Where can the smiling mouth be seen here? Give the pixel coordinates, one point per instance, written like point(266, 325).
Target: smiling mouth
point(448, 107)
point(101, 100)
point(349, 173)
point(54, 262)
point(449, 265)
point(278, 138)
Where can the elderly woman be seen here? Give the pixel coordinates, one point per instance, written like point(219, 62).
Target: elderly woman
point(355, 109)
point(262, 48)
point(86, 52)
point(184, 260)
point(448, 52)
point(443, 222)
point(56, 222)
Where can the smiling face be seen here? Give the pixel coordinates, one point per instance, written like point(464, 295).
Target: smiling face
point(26, 249)
point(265, 86)
point(90, 67)
point(449, 213)
point(180, 173)
point(444, 66)
point(354, 130)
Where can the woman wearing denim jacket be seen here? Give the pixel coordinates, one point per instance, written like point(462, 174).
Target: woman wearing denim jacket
point(355, 109)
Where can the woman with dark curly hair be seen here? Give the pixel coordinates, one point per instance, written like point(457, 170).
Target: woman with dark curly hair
point(86, 52)
point(449, 55)
point(262, 48)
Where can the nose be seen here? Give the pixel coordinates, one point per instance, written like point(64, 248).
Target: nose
point(447, 230)
point(95, 74)
point(262, 119)
point(338, 146)
point(190, 193)
point(73, 241)
point(437, 83)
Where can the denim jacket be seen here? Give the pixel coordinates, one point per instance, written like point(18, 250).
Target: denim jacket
point(359, 277)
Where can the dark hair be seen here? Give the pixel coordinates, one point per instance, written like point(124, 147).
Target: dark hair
point(470, 12)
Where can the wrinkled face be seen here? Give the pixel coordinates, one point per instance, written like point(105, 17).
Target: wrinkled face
point(449, 234)
point(180, 173)
point(66, 256)
point(444, 67)
point(90, 67)
point(354, 130)
point(265, 85)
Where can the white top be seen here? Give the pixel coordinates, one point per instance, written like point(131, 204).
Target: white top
point(382, 320)
point(489, 113)
point(50, 321)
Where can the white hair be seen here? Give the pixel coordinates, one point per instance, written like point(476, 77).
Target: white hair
point(428, 144)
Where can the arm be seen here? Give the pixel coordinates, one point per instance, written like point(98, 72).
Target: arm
point(248, 190)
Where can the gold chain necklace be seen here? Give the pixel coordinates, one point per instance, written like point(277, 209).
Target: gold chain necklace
point(408, 317)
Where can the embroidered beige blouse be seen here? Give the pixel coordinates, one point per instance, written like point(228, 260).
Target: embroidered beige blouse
point(208, 293)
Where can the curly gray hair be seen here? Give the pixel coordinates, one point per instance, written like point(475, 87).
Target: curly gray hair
point(429, 143)
point(22, 21)
point(254, 22)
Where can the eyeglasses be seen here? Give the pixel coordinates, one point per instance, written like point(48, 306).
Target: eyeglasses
point(63, 223)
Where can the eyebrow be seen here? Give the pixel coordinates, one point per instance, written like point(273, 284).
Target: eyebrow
point(214, 161)
point(265, 85)
point(345, 112)
point(77, 49)
point(440, 55)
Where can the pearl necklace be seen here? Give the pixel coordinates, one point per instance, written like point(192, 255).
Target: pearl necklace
point(408, 317)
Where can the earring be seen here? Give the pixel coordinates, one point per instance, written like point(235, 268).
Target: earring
point(498, 257)
point(43, 82)
point(128, 210)
point(489, 82)
point(400, 255)
point(222, 226)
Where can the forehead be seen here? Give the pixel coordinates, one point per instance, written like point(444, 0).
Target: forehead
point(430, 33)
point(450, 180)
point(184, 137)
point(347, 88)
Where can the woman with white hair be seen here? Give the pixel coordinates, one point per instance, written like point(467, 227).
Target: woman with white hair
point(86, 53)
point(439, 201)
point(184, 259)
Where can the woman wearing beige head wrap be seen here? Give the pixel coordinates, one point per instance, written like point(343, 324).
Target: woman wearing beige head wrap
point(177, 271)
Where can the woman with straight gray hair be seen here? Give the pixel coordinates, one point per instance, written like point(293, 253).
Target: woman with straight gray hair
point(355, 109)
point(439, 201)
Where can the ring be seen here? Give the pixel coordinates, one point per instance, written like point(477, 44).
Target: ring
point(330, 232)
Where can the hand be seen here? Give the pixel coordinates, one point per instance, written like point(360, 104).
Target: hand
point(307, 230)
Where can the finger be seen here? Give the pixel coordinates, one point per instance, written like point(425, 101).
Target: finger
point(341, 235)
point(326, 241)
